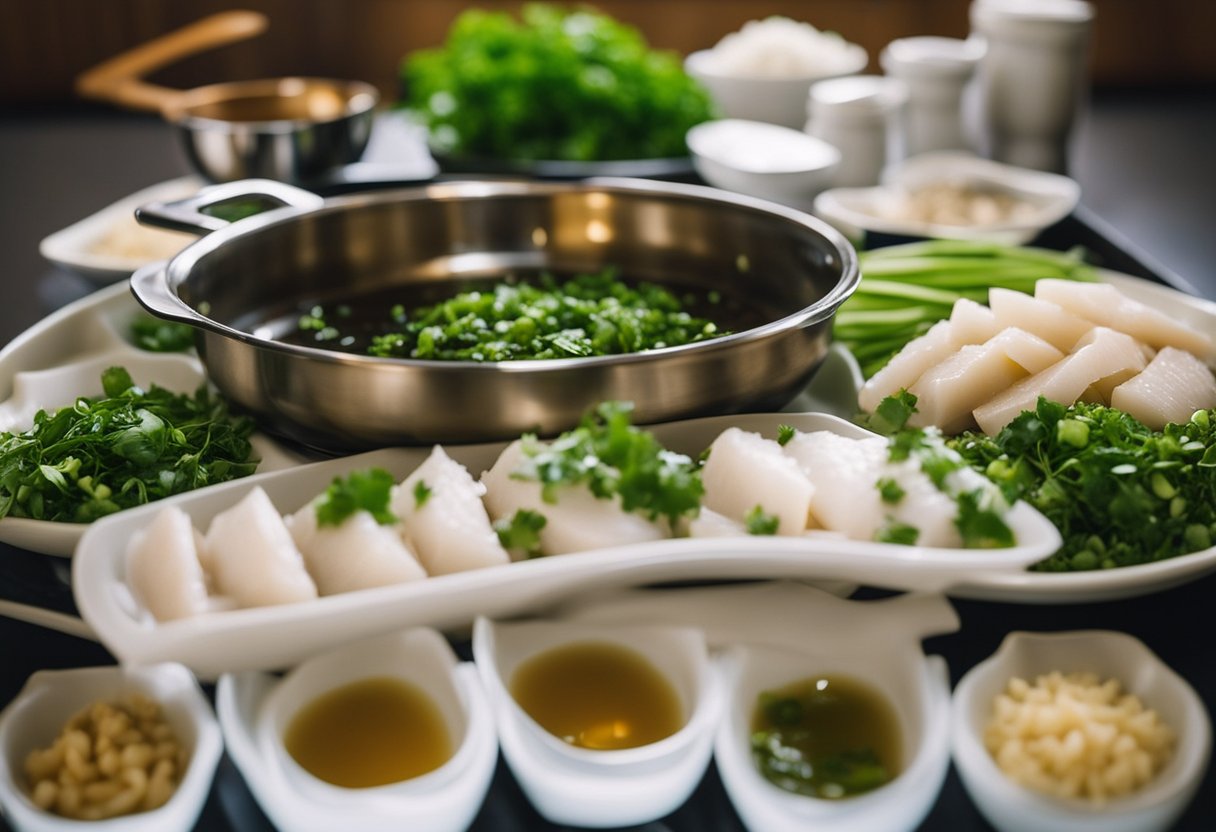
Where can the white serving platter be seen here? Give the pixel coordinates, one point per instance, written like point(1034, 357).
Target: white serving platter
point(1127, 581)
point(61, 358)
point(91, 246)
point(271, 637)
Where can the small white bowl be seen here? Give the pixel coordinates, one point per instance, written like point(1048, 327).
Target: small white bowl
point(51, 697)
point(1013, 808)
point(255, 710)
point(589, 788)
point(775, 100)
point(883, 650)
point(763, 160)
point(855, 211)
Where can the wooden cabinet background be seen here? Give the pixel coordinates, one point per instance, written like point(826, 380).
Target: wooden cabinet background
point(44, 44)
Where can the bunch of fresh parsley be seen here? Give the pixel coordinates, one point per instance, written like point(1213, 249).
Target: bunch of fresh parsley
point(120, 450)
point(558, 84)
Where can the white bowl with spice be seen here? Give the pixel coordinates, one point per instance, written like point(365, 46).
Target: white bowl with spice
point(764, 71)
point(1078, 732)
point(108, 747)
point(952, 195)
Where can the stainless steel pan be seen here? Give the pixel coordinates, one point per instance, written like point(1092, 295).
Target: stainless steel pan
point(289, 129)
point(240, 283)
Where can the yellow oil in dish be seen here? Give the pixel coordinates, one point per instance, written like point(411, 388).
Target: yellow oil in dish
point(598, 695)
point(371, 732)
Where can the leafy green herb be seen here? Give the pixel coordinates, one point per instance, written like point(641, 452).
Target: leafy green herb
point(155, 335)
point(123, 449)
point(612, 458)
point(590, 314)
point(890, 491)
point(854, 771)
point(522, 532)
point(909, 288)
point(757, 522)
point(784, 434)
point(891, 414)
point(369, 490)
point(1120, 493)
point(894, 531)
point(560, 84)
point(422, 493)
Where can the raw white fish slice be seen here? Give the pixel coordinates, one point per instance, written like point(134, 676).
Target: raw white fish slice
point(1039, 317)
point(1172, 387)
point(973, 323)
point(1104, 304)
point(1101, 354)
point(577, 522)
point(709, 523)
point(946, 394)
point(359, 553)
point(906, 366)
point(449, 529)
point(249, 553)
point(744, 470)
point(163, 567)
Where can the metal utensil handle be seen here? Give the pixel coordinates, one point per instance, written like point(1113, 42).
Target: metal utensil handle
point(119, 78)
point(188, 214)
point(150, 285)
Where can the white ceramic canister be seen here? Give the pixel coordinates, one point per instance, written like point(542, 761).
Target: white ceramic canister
point(936, 71)
point(860, 115)
point(1033, 78)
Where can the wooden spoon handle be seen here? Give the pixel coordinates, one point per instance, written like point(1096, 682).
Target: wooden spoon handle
point(118, 79)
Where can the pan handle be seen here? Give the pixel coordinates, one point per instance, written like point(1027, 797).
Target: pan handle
point(150, 285)
point(118, 79)
point(218, 206)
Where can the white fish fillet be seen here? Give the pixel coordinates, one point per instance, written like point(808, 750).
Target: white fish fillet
point(745, 470)
point(907, 365)
point(450, 531)
point(845, 473)
point(576, 522)
point(1039, 317)
point(709, 523)
point(946, 394)
point(973, 323)
point(163, 568)
point(1100, 354)
point(357, 554)
point(1104, 304)
point(252, 558)
point(1172, 387)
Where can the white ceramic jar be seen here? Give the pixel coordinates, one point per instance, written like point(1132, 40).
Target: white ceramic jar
point(936, 71)
point(860, 116)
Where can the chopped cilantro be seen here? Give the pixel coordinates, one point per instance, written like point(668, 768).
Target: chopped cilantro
point(611, 457)
point(757, 522)
point(155, 335)
point(891, 414)
point(890, 490)
point(784, 434)
point(1120, 493)
point(367, 490)
point(522, 532)
point(895, 532)
point(422, 493)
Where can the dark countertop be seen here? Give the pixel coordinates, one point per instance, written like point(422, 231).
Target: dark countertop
point(1145, 166)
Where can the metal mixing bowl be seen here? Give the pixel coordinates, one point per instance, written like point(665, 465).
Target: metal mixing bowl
point(240, 284)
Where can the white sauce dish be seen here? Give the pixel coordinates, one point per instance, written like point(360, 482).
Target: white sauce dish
point(601, 788)
point(767, 161)
point(50, 698)
point(1011, 807)
point(874, 643)
point(256, 710)
point(1027, 201)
